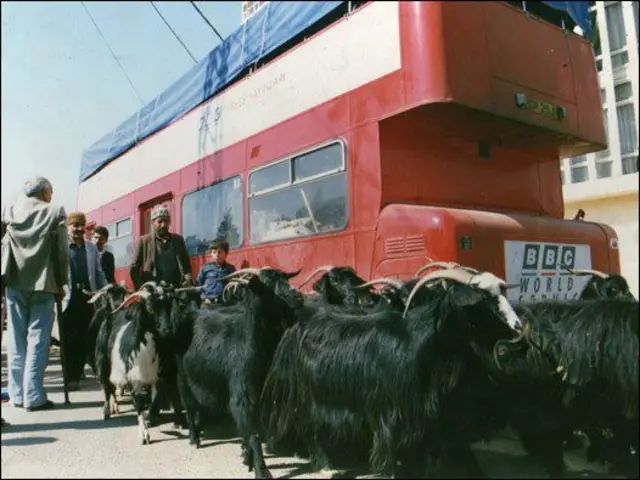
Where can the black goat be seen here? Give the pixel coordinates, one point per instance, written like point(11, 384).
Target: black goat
point(595, 342)
point(393, 385)
point(229, 353)
point(126, 353)
point(602, 285)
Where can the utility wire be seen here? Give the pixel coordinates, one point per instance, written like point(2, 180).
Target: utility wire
point(172, 31)
point(207, 20)
point(115, 57)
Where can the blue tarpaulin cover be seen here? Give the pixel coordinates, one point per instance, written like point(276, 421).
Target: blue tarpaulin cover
point(578, 11)
point(271, 27)
point(274, 25)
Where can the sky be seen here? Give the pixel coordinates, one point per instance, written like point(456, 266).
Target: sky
point(62, 90)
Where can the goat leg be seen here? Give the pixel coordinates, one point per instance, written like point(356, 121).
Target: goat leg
point(190, 406)
point(244, 413)
point(107, 408)
point(154, 406)
point(178, 417)
point(261, 470)
point(143, 427)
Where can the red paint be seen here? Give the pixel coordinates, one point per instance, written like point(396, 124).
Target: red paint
point(416, 181)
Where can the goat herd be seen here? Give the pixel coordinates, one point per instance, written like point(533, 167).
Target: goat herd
point(404, 378)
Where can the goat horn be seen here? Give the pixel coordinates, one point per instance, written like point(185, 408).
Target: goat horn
point(384, 281)
point(457, 275)
point(188, 289)
point(467, 269)
point(525, 332)
point(580, 271)
point(244, 271)
point(144, 294)
point(446, 265)
point(324, 268)
point(151, 284)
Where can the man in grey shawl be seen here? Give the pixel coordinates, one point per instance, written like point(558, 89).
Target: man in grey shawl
point(33, 227)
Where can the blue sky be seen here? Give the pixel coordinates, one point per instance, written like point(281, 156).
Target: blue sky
point(62, 90)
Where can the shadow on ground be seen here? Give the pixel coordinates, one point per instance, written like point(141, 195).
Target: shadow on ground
point(25, 442)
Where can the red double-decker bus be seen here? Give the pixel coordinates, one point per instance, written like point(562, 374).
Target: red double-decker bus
point(382, 138)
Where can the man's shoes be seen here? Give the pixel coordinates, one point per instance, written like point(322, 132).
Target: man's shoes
point(48, 405)
point(16, 405)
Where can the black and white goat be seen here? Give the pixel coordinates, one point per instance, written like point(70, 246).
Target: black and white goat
point(126, 352)
point(105, 301)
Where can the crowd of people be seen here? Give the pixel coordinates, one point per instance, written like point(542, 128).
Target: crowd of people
point(49, 270)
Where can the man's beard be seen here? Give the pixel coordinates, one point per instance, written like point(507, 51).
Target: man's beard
point(162, 231)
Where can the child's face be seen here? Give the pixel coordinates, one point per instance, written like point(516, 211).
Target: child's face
point(218, 255)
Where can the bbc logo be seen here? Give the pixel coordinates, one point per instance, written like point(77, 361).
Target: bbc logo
point(548, 257)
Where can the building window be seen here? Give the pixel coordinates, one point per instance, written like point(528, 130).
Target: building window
point(603, 95)
point(563, 177)
point(579, 169)
point(623, 91)
point(617, 35)
point(627, 129)
point(629, 164)
point(301, 196)
point(213, 212)
point(121, 241)
point(597, 48)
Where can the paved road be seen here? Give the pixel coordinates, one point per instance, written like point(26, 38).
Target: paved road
point(73, 441)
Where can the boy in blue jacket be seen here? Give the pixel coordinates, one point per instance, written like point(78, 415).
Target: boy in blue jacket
point(211, 272)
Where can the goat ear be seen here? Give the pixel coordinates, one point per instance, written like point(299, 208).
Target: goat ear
point(292, 274)
point(465, 296)
point(321, 284)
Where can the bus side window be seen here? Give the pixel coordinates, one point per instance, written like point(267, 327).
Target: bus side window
point(213, 212)
point(312, 202)
point(121, 241)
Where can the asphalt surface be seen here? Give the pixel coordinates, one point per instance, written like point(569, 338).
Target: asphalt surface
point(72, 441)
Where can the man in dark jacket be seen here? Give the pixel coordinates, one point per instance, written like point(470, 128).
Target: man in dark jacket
point(160, 255)
point(107, 260)
point(211, 272)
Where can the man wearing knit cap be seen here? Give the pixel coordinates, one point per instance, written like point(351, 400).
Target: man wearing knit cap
point(35, 262)
point(160, 255)
point(85, 274)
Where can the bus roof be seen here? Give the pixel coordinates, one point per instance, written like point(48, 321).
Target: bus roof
point(269, 29)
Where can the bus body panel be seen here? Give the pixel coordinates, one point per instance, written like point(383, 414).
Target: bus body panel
point(439, 146)
point(539, 248)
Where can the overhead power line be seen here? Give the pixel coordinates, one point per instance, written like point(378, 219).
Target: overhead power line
point(172, 31)
point(207, 20)
point(115, 57)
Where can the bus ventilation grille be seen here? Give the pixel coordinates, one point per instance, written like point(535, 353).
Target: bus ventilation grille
point(401, 246)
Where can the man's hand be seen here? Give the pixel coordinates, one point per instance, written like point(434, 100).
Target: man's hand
point(187, 280)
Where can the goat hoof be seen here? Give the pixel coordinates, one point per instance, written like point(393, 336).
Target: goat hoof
point(146, 439)
point(264, 474)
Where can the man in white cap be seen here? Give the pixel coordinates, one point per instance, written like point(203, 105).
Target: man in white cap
point(161, 255)
point(35, 265)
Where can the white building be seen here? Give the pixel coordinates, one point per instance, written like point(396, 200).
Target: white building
point(605, 184)
point(250, 8)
